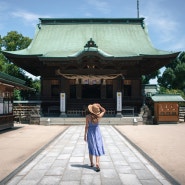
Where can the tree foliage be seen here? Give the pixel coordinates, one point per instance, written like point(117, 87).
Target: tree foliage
point(11, 42)
point(15, 41)
point(164, 90)
point(146, 78)
point(174, 75)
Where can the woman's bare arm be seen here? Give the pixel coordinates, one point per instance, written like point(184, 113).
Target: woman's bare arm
point(86, 128)
point(102, 111)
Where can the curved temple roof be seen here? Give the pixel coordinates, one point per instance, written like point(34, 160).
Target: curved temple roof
point(64, 40)
point(113, 37)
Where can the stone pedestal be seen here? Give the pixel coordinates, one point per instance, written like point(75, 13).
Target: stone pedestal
point(63, 114)
point(119, 114)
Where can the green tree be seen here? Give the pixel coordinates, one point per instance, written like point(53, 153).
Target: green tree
point(174, 75)
point(179, 72)
point(2, 58)
point(146, 78)
point(11, 42)
point(2, 62)
point(164, 90)
point(35, 84)
point(15, 41)
point(167, 78)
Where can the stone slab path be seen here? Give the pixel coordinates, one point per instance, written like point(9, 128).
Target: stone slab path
point(66, 161)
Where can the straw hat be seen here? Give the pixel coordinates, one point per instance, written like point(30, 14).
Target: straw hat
point(94, 109)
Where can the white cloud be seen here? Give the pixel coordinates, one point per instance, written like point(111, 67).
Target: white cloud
point(180, 45)
point(3, 10)
point(99, 5)
point(164, 25)
point(27, 17)
point(88, 14)
point(3, 7)
point(162, 22)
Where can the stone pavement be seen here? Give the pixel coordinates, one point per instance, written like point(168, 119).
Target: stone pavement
point(66, 161)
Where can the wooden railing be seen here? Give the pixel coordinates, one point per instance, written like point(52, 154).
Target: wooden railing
point(79, 107)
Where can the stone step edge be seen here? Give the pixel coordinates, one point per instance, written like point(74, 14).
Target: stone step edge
point(81, 121)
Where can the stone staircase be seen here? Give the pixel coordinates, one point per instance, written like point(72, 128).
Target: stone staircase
point(81, 121)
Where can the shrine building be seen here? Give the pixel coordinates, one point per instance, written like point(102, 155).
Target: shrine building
point(8, 84)
point(88, 60)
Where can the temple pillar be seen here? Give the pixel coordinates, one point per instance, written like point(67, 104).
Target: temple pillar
point(63, 105)
point(78, 89)
point(63, 87)
point(119, 96)
point(103, 89)
point(63, 95)
point(119, 84)
point(119, 104)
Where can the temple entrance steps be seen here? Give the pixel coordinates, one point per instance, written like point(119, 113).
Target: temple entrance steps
point(81, 120)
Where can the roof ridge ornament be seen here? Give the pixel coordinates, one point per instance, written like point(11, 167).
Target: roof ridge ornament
point(90, 43)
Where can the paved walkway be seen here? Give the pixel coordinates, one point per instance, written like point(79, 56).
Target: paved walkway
point(66, 161)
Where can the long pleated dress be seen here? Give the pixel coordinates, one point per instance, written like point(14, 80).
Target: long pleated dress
point(94, 140)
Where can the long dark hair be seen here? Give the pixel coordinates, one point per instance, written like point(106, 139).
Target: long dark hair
point(94, 118)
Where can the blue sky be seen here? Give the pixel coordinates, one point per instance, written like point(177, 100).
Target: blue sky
point(164, 18)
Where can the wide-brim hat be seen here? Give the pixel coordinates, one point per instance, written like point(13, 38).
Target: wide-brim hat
point(93, 108)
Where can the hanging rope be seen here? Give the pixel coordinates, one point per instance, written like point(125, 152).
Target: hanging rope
point(88, 77)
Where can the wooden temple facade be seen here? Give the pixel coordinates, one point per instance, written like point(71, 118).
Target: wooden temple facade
point(90, 60)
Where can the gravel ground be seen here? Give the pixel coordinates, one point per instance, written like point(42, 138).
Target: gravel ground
point(20, 143)
point(163, 143)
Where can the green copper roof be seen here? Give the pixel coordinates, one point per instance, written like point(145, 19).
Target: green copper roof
point(11, 80)
point(113, 38)
point(167, 98)
point(4, 76)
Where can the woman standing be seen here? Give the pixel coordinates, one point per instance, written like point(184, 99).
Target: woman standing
point(93, 135)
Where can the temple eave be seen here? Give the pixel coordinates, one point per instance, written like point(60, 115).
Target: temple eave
point(43, 57)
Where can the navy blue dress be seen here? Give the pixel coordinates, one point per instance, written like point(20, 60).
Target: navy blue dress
point(94, 140)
